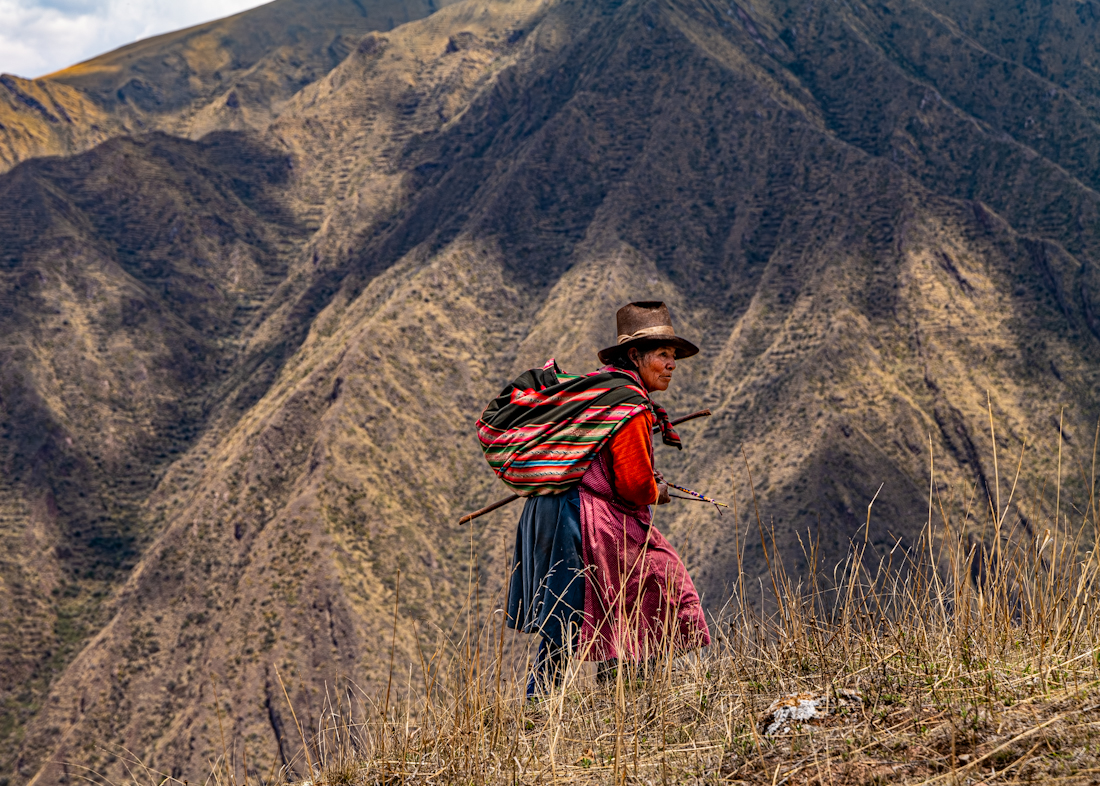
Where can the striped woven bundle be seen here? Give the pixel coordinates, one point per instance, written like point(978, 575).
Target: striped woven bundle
point(543, 430)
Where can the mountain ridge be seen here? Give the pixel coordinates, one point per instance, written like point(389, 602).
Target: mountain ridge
point(228, 74)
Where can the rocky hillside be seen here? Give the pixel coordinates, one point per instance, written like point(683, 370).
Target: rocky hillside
point(240, 369)
point(230, 74)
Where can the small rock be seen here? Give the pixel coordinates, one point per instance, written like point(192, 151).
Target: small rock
point(799, 707)
point(804, 707)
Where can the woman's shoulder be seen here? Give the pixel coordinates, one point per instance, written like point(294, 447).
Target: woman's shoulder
point(640, 423)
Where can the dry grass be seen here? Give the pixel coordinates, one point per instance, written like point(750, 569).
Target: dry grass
point(969, 657)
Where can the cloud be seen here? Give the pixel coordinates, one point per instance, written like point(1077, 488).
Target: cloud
point(38, 37)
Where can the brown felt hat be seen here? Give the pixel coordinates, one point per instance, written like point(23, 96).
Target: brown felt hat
point(647, 322)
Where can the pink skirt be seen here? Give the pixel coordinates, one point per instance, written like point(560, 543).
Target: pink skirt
point(639, 601)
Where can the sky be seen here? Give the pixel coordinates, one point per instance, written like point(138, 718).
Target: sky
point(38, 37)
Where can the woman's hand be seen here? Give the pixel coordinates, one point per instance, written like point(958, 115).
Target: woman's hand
point(662, 488)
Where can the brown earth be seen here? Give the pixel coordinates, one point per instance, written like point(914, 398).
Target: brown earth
point(230, 74)
point(240, 371)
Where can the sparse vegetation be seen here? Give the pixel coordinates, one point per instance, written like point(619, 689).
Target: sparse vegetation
point(971, 656)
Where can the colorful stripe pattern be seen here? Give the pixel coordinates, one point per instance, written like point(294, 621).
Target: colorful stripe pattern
point(543, 430)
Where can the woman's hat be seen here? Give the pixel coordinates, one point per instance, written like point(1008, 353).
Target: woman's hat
point(647, 322)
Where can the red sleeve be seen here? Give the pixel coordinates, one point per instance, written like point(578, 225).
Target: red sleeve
point(632, 461)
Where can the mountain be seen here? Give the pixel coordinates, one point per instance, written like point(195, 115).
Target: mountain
point(230, 74)
point(130, 274)
point(40, 118)
point(879, 221)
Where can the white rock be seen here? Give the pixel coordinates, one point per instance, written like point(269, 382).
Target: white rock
point(798, 707)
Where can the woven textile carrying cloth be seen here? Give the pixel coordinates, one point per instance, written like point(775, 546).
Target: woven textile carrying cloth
point(639, 600)
point(542, 432)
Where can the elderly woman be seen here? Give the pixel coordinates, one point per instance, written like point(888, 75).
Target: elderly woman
point(591, 573)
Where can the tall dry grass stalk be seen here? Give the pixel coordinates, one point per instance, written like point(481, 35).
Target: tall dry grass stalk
point(970, 655)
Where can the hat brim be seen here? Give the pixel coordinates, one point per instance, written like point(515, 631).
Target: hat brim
point(684, 348)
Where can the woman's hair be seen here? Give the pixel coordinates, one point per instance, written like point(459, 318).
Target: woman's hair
point(622, 359)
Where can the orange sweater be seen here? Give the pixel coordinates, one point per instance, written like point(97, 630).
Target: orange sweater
point(632, 461)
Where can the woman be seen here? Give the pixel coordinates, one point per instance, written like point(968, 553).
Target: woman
point(590, 572)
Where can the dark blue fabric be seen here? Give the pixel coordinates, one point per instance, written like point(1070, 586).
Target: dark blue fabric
point(549, 669)
point(546, 593)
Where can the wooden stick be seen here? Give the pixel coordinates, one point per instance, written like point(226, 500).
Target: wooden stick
point(500, 503)
point(703, 413)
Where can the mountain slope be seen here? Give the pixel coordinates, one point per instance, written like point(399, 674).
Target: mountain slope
point(128, 276)
point(865, 245)
point(40, 118)
point(227, 75)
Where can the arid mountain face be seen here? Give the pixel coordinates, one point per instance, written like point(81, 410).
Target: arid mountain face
point(240, 368)
point(231, 74)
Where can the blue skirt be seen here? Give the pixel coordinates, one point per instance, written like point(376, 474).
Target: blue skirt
point(546, 592)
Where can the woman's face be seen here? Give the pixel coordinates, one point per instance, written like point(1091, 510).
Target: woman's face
point(655, 367)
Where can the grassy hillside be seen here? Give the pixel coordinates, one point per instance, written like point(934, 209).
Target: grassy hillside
point(879, 227)
point(903, 671)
